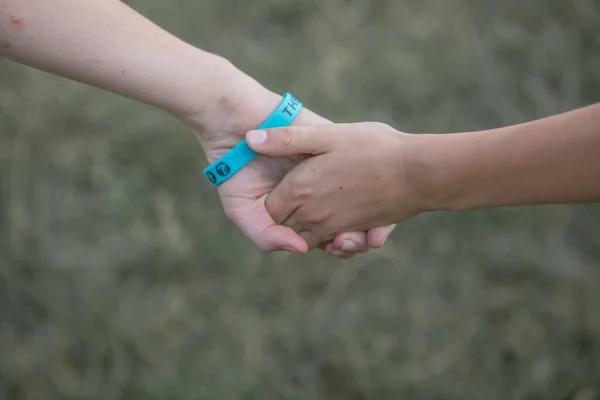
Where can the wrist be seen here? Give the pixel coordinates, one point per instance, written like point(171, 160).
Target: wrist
point(221, 96)
point(221, 114)
point(431, 171)
point(237, 104)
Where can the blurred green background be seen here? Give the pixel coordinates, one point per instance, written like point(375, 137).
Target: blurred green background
point(120, 277)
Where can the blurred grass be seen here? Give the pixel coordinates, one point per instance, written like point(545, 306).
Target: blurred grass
point(120, 277)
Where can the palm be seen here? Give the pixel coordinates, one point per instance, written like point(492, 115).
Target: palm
point(243, 198)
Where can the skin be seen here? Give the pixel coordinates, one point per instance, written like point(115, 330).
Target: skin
point(394, 176)
point(106, 44)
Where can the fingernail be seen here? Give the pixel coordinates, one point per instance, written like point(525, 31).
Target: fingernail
point(382, 243)
point(256, 137)
point(349, 245)
point(337, 253)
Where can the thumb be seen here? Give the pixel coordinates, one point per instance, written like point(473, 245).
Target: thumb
point(258, 225)
point(289, 141)
point(281, 238)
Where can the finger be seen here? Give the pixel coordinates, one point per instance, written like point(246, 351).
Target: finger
point(312, 240)
point(326, 247)
point(337, 253)
point(256, 223)
point(341, 254)
point(280, 203)
point(351, 242)
point(279, 237)
point(289, 141)
point(376, 237)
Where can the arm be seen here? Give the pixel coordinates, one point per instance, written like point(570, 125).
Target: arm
point(554, 160)
point(106, 44)
point(396, 176)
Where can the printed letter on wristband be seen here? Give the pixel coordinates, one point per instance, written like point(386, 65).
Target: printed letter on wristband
point(228, 165)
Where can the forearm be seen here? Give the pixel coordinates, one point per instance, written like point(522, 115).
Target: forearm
point(550, 161)
point(106, 44)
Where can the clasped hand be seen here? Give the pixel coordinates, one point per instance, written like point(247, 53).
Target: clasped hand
point(355, 178)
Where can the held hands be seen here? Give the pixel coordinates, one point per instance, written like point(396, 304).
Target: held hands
point(243, 195)
point(360, 176)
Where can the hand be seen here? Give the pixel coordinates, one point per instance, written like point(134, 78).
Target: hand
point(243, 195)
point(359, 177)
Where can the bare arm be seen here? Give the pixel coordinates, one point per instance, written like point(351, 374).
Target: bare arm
point(554, 160)
point(106, 44)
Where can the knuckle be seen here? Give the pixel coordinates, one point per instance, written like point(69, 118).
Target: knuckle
point(297, 184)
point(313, 218)
point(272, 204)
point(263, 248)
point(289, 134)
point(301, 188)
point(305, 181)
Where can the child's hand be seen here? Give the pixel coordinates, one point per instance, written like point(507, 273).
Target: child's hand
point(358, 178)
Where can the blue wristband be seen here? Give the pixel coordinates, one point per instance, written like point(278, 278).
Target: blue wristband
point(228, 165)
